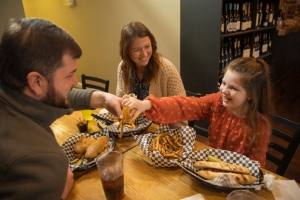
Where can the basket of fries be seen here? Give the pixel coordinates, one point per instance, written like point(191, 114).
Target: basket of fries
point(167, 146)
point(127, 126)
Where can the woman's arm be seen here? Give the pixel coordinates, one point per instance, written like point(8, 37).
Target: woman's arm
point(173, 80)
point(120, 90)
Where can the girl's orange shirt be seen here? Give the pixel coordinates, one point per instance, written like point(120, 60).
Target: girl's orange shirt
point(226, 130)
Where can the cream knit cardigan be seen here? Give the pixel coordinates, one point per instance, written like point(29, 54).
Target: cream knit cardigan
point(168, 82)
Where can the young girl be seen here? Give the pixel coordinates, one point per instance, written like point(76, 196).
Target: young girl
point(238, 114)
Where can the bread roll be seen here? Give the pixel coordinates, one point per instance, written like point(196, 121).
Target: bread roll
point(239, 178)
point(96, 147)
point(221, 166)
point(81, 146)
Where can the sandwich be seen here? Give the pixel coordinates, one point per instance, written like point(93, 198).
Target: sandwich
point(211, 170)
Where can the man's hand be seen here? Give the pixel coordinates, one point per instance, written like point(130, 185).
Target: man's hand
point(110, 102)
point(69, 184)
point(113, 104)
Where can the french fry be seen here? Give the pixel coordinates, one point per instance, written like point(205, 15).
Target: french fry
point(168, 146)
point(125, 121)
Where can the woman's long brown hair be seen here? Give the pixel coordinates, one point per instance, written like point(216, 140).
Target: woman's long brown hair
point(129, 32)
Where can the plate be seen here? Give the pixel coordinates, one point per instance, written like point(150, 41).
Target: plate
point(141, 123)
point(223, 182)
point(68, 147)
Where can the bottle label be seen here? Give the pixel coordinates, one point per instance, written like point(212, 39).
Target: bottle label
point(222, 28)
point(233, 26)
point(246, 53)
point(229, 29)
point(257, 53)
point(264, 48)
point(249, 24)
point(265, 24)
point(271, 18)
point(244, 26)
point(256, 23)
point(238, 25)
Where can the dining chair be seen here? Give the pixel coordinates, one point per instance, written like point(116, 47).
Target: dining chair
point(188, 93)
point(94, 82)
point(283, 142)
point(200, 123)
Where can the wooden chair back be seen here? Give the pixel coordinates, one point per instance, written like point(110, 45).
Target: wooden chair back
point(94, 82)
point(284, 141)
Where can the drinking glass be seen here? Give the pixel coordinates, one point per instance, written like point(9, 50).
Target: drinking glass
point(110, 168)
point(242, 195)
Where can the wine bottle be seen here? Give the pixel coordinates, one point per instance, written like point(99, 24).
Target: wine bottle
point(246, 50)
point(238, 18)
point(254, 48)
point(260, 18)
point(230, 23)
point(249, 16)
point(266, 17)
point(274, 21)
point(257, 16)
point(235, 49)
point(270, 17)
point(234, 24)
point(226, 20)
point(222, 24)
point(269, 43)
point(230, 56)
point(257, 50)
point(264, 47)
point(279, 21)
point(244, 18)
point(239, 48)
point(226, 54)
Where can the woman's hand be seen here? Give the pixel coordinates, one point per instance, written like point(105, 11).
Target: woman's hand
point(135, 105)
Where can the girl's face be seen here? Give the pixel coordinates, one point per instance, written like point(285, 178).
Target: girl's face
point(140, 51)
point(234, 96)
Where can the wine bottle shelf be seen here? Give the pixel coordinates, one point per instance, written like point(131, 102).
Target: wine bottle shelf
point(265, 55)
point(247, 31)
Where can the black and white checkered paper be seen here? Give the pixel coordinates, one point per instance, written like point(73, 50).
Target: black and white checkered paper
point(68, 148)
point(186, 133)
point(141, 123)
point(222, 181)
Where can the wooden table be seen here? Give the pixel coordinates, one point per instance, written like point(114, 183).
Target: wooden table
point(142, 180)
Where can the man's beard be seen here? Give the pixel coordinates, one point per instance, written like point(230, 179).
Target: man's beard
point(55, 99)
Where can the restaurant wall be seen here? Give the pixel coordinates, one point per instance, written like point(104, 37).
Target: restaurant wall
point(10, 9)
point(96, 26)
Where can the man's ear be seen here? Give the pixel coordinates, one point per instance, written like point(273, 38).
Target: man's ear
point(36, 83)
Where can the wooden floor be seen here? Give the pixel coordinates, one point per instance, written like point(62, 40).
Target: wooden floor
point(286, 103)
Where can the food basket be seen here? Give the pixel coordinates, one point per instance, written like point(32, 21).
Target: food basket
point(68, 147)
point(224, 182)
point(141, 123)
point(187, 135)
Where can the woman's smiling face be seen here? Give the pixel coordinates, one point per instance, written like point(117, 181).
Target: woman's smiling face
point(140, 51)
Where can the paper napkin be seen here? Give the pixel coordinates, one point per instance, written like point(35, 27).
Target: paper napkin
point(286, 190)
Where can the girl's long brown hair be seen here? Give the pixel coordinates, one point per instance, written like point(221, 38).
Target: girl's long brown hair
point(255, 79)
point(129, 32)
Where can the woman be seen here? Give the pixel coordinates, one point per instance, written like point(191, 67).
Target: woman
point(143, 70)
